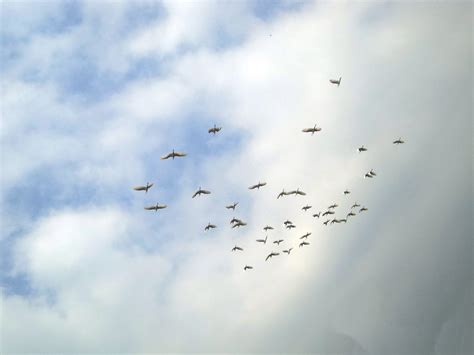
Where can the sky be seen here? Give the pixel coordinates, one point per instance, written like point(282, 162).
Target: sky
point(93, 93)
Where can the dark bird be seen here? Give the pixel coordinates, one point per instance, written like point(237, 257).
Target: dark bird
point(355, 205)
point(328, 212)
point(288, 251)
point(297, 192)
point(289, 226)
point(362, 149)
point(283, 193)
point(235, 220)
point(237, 248)
point(346, 192)
point(363, 209)
point(350, 214)
point(398, 141)
point(305, 236)
point(239, 224)
point(333, 206)
point(287, 222)
point(201, 191)
point(232, 206)
point(267, 228)
point(317, 214)
point(278, 241)
point(248, 267)
point(303, 244)
point(214, 129)
point(326, 222)
point(305, 208)
point(264, 241)
point(257, 186)
point(335, 81)
point(272, 254)
point(368, 175)
point(209, 226)
point(143, 188)
point(173, 155)
point(371, 172)
point(312, 130)
point(156, 207)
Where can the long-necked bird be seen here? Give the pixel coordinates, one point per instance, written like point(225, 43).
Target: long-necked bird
point(173, 155)
point(143, 188)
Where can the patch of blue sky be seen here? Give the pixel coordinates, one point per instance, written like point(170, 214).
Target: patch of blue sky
point(268, 9)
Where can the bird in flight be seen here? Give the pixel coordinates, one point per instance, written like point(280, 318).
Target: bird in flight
point(287, 222)
point(398, 141)
point(307, 207)
point(368, 175)
point(333, 206)
point(288, 251)
point(289, 226)
point(297, 192)
point(326, 222)
point(209, 226)
point(346, 192)
point(363, 209)
point(173, 155)
point(305, 236)
point(247, 267)
point(328, 212)
point(235, 220)
point(371, 172)
point(237, 248)
point(143, 188)
point(350, 214)
point(272, 254)
point(257, 186)
point(232, 206)
point(362, 149)
point(278, 241)
point(200, 191)
point(335, 81)
point(155, 208)
point(267, 228)
point(355, 205)
point(283, 193)
point(214, 129)
point(264, 241)
point(303, 244)
point(239, 224)
point(312, 130)
point(317, 214)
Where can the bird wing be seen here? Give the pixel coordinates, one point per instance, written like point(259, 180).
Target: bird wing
point(196, 193)
point(166, 156)
point(150, 208)
point(179, 154)
point(205, 192)
point(139, 188)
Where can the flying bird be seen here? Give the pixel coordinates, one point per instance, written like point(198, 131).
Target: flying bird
point(232, 206)
point(303, 244)
point(363, 209)
point(305, 208)
point(362, 149)
point(287, 222)
point(283, 193)
point(143, 188)
point(247, 267)
point(288, 251)
point(278, 241)
point(297, 192)
point(343, 220)
point(239, 224)
point(317, 214)
point(272, 254)
point(156, 207)
point(201, 191)
point(350, 214)
point(257, 186)
point(209, 226)
point(214, 129)
point(173, 155)
point(264, 241)
point(346, 192)
point(371, 172)
point(398, 141)
point(333, 206)
point(237, 248)
point(267, 228)
point(305, 236)
point(368, 175)
point(328, 212)
point(355, 205)
point(312, 130)
point(289, 226)
point(326, 222)
point(235, 220)
point(335, 81)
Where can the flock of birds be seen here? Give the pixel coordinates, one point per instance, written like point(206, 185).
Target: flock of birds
point(237, 223)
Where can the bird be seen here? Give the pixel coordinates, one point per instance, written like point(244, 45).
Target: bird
point(201, 191)
point(257, 186)
point(368, 175)
point(326, 222)
point(317, 214)
point(398, 141)
point(305, 236)
point(362, 149)
point(287, 222)
point(239, 224)
point(311, 130)
point(334, 221)
point(346, 192)
point(272, 254)
point(156, 207)
point(355, 205)
point(363, 209)
point(173, 154)
point(232, 206)
point(297, 192)
point(371, 172)
point(237, 248)
point(350, 214)
point(303, 244)
point(214, 129)
point(264, 241)
point(289, 226)
point(343, 220)
point(288, 251)
point(333, 206)
point(267, 228)
point(209, 226)
point(305, 208)
point(278, 241)
point(283, 193)
point(247, 267)
point(328, 212)
point(335, 81)
point(235, 220)
point(143, 188)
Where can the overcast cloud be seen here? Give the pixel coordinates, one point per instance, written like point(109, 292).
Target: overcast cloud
point(93, 93)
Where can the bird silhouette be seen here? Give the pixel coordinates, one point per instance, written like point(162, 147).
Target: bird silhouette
point(173, 155)
point(155, 208)
point(257, 186)
point(272, 254)
point(237, 248)
point(312, 130)
point(232, 206)
point(200, 191)
point(143, 188)
point(336, 81)
point(214, 129)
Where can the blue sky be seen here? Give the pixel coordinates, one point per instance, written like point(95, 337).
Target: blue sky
point(93, 93)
